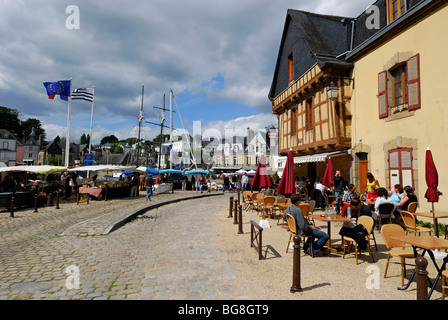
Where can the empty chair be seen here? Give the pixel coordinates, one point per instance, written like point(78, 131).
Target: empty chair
point(247, 199)
point(385, 213)
point(409, 222)
point(368, 223)
point(388, 231)
point(412, 207)
point(254, 200)
point(260, 203)
point(312, 204)
point(292, 228)
point(268, 205)
point(282, 204)
point(444, 286)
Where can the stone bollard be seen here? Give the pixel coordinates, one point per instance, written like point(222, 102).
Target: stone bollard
point(230, 207)
point(240, 220)
point(296, 287)
point(422, 278)
point(50, 200)
point(235, 213)
point(35, 204)
point(12, 208)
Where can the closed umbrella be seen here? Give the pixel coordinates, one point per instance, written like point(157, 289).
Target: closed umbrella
point(328, 178)
point(261, 179)
point(432, 181)
point(287, 183)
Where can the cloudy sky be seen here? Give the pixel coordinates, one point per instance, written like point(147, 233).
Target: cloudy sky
point(217, 56)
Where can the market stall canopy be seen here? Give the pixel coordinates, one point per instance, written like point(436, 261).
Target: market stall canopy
point(34, 169)
point(149, 170)
point(197, 171)
point(99, 167)
point(171, 171)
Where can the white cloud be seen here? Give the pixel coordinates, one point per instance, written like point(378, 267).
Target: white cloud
point(165, 44)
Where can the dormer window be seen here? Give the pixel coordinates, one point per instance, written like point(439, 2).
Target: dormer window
point(290, 67)
point(396, 9)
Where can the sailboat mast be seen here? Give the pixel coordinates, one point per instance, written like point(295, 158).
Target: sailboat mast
point(140, 118)
point(171, 128)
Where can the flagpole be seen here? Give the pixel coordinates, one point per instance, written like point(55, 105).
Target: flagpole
point(171, 128)
point(91, 122)
point(67, 139)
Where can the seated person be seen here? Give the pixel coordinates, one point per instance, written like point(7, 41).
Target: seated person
point(349, 195)
point(357, 209)
point(372, 196)
point(304, 228)
point(407, 198)
point(383, 196)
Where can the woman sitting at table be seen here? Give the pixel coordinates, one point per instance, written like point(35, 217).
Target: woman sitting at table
point(383, 196)
point(407, 198)
point(396, 195)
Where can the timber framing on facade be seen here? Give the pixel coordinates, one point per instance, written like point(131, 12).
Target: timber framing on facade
point(391, 102)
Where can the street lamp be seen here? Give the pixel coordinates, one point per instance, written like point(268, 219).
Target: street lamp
point(333, 92)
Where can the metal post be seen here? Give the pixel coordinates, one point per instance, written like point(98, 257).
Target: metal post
point(230, 207)
point(296, 267)
point(422, 278)
point(235, 208)
point(240, 220)
point(239, 195)
point(57, 200)
point(12, 208)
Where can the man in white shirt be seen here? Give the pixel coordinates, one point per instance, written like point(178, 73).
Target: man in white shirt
point(244, 181)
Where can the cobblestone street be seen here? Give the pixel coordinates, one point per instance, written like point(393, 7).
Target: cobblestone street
point(162, 251)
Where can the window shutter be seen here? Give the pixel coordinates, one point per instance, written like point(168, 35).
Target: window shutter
point(382, 94)
point(413, 78)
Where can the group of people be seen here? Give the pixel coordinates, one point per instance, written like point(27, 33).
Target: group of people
point(353, 206)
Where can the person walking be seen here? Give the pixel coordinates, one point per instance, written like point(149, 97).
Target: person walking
point(149, 184)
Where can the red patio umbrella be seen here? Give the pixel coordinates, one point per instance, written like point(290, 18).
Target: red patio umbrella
point(261, 178)
point(328, 178)
point(432, 181)
point(287, 185)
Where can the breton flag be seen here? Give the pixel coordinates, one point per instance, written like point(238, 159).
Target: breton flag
point(83, 94)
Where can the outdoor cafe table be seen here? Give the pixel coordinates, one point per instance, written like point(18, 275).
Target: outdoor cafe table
point(427, 243)
point(437, 215)
point(337, 218)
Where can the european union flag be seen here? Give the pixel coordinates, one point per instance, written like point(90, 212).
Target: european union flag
point(61, 88)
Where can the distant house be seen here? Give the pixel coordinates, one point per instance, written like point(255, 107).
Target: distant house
point(8, 148)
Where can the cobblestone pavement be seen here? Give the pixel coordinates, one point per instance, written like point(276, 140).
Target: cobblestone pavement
point(164, 254)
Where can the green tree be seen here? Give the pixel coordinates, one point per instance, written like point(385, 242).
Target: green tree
point(115, 148)
point(109, 139)
point(83, 139)
point(28, 125)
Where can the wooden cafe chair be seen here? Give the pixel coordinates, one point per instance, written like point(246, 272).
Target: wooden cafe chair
point(247, 199)
point(292, 228)
point(254, 197)
point(410, 224)
point(369, 224)
point(388, 231)
point(412, 207)
point(268, 205)
point(282, 204)
point(444, 286)
point(260, 203)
